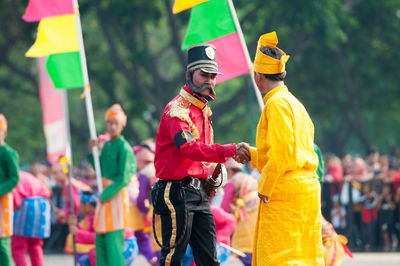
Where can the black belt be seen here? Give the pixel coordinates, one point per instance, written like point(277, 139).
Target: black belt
point(187, 181)
point(192, 182)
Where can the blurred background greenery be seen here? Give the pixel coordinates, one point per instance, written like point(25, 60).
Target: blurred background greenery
point(344, 68)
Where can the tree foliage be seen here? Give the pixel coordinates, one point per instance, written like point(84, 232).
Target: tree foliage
point(343, 68)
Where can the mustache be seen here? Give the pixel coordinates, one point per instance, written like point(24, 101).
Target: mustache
point(206, 86)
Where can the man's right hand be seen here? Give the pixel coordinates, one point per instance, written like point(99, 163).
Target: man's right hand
point(93, 143)
point(242, 153)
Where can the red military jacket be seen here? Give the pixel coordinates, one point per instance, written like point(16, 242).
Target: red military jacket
point(184, 141)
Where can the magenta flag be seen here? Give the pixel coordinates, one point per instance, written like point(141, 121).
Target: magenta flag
point(53, 112)
point(212, 22)
point(38, 9)
point(230, 56)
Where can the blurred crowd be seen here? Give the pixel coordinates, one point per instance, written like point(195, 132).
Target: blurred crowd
point(84, 177)
point(361, 198)
point(234, 207)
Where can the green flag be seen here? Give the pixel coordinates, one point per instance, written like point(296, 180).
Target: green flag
point(65, 70)
point(209, 21)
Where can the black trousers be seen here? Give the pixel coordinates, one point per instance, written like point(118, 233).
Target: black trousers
point(186, 218)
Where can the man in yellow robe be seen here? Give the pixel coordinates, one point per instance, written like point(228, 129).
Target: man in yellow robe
point(288, 230)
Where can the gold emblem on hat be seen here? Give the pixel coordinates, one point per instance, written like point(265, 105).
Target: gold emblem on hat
point(210, 53)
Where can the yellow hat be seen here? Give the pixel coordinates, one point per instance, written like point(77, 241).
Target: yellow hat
point(265, 64)
point(3, 122)
point(115, 112)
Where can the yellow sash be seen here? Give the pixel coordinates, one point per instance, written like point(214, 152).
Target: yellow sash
point(80, 248)
point(6, 215)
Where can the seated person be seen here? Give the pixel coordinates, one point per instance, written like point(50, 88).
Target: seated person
point(85, 234)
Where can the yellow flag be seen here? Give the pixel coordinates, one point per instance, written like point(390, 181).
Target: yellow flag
point(55, 35)
point(181, 5)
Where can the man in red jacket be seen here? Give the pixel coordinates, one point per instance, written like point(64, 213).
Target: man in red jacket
point(184, 153)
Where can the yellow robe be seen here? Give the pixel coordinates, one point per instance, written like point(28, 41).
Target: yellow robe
point(288, 230)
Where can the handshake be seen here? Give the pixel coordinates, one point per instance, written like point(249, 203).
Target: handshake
point(242, 153)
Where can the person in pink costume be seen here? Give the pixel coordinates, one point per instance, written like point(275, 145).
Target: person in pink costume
point(84, 230)
point(28, 186)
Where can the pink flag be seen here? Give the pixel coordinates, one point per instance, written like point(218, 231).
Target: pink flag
point(54, 121)
point(212, 22)
point(230, 66)
point(38, 9)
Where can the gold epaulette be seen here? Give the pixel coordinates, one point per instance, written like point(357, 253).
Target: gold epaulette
point(180, 109)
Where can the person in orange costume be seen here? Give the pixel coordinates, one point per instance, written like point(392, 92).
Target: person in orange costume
point(118, 165)
point(288, 229)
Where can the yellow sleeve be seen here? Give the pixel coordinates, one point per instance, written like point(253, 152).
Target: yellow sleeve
point(280, 140)
point(253, 156)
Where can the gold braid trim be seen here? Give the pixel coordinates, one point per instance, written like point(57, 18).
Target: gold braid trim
point(180, 109)
point(207, 112)
point(193, 100)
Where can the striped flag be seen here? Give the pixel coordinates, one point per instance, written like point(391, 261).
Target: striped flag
point(57, 38)
point(60, 38)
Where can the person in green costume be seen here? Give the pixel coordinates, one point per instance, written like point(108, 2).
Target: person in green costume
point(118, 164)
point(9, 178)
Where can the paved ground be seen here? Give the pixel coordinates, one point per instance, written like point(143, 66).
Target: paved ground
point(360, 259)
point(373, 259)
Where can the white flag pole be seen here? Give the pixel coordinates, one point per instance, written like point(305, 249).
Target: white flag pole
point(237, 252)
point(68, 150)
point(88, 99)
point(246, 52)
